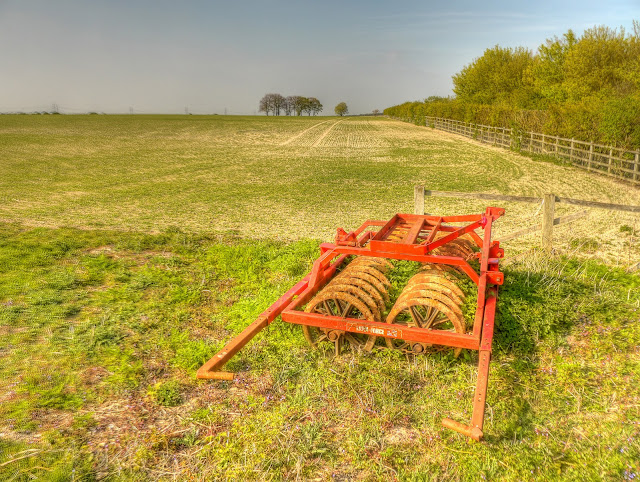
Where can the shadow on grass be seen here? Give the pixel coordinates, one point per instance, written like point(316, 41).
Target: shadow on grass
point(537, 309)
point(533, 307)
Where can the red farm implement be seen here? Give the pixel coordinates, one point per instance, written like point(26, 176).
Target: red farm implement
point(345, 298)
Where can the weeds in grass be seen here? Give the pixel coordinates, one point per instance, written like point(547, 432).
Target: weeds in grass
point(102, 333)
point(167, 393)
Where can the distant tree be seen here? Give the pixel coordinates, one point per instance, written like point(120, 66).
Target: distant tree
point(297, 103)
point(314, 106)
point(549, 69)
point(341, 109)
point(585, 87)
point(278, 103)
point(265, 104)
point(307, 106)
point(271, 103)
point(376, 111)
point(293, 104)
point(290, 104)
point(303, 105)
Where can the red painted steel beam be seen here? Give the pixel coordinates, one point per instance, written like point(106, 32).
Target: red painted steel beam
point(212, 368)
point(475, 430)
point(386, 330)
point(387, 227)
point(434, 231)
point(368, 223)
point(455, 234)
point(467, 218)
point(382, 249)
point(414, 232)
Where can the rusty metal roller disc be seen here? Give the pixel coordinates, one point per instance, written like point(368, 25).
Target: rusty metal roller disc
point(452, 250)
point(464, 242)
point(362, 295)
point(423, 313)
point(430, 300)
point(357, 270)
point(464, 246)
point(367, 269)
point(441, 277)
point(439, 287)
point(365, 286)
point(448, 302)
point(453, 271)
point(381, 264)
point(447, 272)
point(344, 305)
point(423, 290)
point(372, 280)
point(446, 283)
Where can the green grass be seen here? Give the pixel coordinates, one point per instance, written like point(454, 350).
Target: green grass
point(264, 176)
point(102, 333)
point(133, 247)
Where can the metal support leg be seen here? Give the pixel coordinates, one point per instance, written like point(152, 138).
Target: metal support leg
point(474, 430)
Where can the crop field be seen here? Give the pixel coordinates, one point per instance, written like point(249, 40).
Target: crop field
point(133, 247)
point(286, 177)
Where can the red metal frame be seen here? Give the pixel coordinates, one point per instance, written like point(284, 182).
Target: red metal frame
point(368, 241)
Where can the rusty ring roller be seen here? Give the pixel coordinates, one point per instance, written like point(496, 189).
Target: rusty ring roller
point(361, 286)
point(440, 298)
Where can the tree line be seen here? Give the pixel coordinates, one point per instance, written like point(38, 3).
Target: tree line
point(277, 104)
point(585, 87)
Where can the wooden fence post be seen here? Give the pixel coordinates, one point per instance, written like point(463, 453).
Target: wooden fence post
point(590, 154)
point(548, 214)
point(636, 174)
point(571, 151)
point(609, 164)
point(418, 199)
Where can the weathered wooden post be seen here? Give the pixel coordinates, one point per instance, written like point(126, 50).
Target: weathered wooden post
point(590, 154)
point(636, 174)
point(609, 163)
point(418, 199)
point(548, 214)
point(571, 151)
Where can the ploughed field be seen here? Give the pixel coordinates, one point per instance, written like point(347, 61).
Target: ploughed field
point(133, 247)
point(284, 177)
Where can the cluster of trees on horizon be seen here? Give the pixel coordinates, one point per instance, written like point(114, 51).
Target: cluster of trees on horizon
point(293, 104)
point(586, 88)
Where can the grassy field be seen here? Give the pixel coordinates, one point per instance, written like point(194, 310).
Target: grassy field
point(132, 248)
point(288, 177)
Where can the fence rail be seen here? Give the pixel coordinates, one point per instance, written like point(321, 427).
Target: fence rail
point(547, 221)
point(611, 161)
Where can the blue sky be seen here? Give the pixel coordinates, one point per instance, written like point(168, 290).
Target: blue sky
point(212, 56)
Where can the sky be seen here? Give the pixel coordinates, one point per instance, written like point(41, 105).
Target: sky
point(205, 57)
